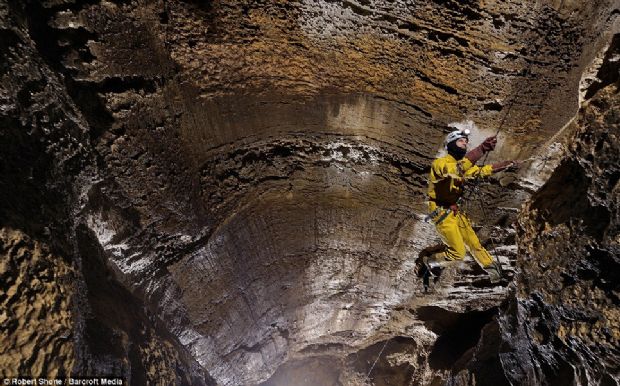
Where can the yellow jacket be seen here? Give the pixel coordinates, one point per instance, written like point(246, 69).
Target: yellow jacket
point(446, 179)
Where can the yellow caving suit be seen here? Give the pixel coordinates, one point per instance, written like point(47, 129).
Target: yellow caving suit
point(445, 183)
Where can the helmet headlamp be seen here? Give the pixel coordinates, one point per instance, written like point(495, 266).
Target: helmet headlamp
point(453, 136)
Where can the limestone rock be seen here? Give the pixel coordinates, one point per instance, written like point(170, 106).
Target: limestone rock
point(237, 188)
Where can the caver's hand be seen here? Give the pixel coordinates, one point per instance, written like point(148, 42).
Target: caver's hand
point(489, 144)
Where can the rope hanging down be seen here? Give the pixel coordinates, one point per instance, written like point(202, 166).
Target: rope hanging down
point(475, 185)
point(377, 359)
point(521, 86)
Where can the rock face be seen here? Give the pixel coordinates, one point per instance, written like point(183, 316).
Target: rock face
point(560, 325)
point(571, 242)
point(233, 192)
point(37, 320)
point(63, 312)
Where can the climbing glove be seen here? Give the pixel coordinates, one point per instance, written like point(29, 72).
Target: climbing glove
point(475, 154)
point(488, 145)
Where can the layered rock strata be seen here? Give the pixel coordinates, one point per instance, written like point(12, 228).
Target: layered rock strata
point(237, 188)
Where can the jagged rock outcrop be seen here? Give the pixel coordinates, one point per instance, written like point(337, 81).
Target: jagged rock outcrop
point(64, 313)
point(235, 190)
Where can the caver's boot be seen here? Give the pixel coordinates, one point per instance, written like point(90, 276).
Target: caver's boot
point(428, 251)
point(495, 272)
point(430, 266)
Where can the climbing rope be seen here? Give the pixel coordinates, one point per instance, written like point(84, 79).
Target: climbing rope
point(377, 359)
point(476, 181)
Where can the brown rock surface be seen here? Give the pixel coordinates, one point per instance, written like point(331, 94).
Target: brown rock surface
point(36, 318)
point(238, 187)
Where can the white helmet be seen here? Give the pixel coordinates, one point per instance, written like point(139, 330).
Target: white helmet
point(454, 135)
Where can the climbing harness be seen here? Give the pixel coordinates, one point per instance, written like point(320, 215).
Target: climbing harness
point(436, 212)
point(447, 209)
point(443, 216)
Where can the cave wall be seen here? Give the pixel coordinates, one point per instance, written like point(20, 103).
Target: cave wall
point(560, 325)
point(63, 311)
point(243, 182)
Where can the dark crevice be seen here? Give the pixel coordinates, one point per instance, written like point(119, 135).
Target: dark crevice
point(28, 90)
point(498, 22)
point(408, 104)
point(560, 202)
point(609, 72)
point(493, 106)
point(446, 88)
point(458, 333)
point(92, 106)
point(443, 37)
point(409, 26)
point(450, 51)
point(119, 325)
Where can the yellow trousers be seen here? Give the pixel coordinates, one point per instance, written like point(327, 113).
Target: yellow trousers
point(457, 233)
